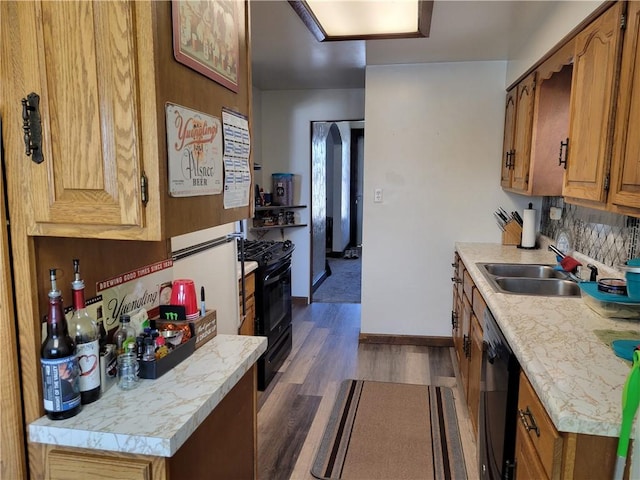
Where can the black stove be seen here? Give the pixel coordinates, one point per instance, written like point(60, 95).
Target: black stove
point(267, 252)
point(273, 302)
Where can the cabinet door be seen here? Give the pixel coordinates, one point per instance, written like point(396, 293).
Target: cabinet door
point(539, 429)
point(625, 170)
point(522, 136)
point(475, 369)
point(456, 325)
point(80, 58)
point(465, 326)
point(593, 90)
point(78, 465)
point(507, 145)
point(528, 466)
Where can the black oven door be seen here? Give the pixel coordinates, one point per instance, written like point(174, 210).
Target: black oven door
point(276, 295)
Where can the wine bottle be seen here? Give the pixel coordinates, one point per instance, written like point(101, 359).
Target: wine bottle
point(84, 330)
point(60, 372)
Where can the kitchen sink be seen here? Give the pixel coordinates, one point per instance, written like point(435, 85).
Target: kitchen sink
point(522, 270)
point(538, 286)
point(529, 279)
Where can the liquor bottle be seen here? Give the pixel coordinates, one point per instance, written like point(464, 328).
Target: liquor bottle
point(102, 336)
point(125, 334)
point(60, 372)
point(84, 330)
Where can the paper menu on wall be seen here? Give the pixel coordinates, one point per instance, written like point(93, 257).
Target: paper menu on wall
point(237, 147)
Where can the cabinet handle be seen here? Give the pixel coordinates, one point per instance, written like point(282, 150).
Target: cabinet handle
point(466, 345)
point(507, 163)
point(456, 280)
point(512, 159)
point(562, 159)
point(454, 320)
point(32, 127)
point(531, 424)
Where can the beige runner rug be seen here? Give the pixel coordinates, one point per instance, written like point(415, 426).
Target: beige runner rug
point(380, 430)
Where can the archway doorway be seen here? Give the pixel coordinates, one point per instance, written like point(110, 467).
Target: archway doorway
point(336, 210)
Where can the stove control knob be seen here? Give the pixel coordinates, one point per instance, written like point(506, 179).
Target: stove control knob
point(267, 256)
point(286, 245)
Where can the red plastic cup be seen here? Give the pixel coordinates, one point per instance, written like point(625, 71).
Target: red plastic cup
point(183, 292)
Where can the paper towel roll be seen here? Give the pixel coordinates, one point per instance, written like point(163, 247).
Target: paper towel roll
point(529, 228)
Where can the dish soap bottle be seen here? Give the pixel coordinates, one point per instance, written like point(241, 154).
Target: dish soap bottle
point(60, 372)
point(84, 330)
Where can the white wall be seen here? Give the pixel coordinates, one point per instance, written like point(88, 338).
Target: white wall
point(560, 20)
point(286, 118)
point(433, 143)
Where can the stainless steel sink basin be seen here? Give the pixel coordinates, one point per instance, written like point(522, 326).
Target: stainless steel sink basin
point(523, 270)
point(529, 279)
point(553, 287)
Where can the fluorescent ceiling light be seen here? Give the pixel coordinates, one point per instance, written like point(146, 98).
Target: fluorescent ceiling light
point(365, 19)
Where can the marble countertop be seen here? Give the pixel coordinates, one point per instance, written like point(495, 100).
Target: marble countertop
point(158, 416)
point(577, 376)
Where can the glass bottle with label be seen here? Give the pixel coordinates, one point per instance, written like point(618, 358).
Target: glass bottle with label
point(125, 334)
point(60, 372)
point(84, 330)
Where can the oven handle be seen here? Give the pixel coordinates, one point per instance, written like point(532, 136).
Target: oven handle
point(277, 274)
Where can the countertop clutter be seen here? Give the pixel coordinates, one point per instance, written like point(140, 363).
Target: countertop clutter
point(577, 376)
point(159, 415)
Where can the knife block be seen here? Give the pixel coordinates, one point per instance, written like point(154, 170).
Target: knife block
point(512, 234)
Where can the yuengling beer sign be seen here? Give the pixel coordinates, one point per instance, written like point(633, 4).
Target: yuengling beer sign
point(194, 146)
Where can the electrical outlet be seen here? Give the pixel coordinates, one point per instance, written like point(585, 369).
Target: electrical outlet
point(377, 195)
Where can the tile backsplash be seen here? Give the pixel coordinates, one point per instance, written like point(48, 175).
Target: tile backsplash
point(607, 237)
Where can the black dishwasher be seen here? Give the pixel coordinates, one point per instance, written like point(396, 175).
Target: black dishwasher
point(498, 404)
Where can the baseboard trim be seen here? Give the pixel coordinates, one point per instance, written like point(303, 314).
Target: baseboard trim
point(421, 341)
point(300, 300)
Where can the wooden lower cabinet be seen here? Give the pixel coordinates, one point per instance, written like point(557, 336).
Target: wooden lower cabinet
point(475, 370)
point(544, 453)
point(247, 326)
point(466, 318)
point(224, 446)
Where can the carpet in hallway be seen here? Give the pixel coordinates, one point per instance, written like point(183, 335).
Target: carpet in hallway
point(382, 430)
point(344, 283)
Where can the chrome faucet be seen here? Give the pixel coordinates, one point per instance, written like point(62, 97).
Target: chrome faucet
point(555, 250)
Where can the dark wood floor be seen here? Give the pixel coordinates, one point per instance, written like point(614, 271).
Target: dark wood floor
point(294, 408)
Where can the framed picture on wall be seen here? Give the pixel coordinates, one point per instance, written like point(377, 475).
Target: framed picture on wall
point(206, 38)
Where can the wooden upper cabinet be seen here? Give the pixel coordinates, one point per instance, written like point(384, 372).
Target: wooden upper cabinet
point(507, 146)
point(593, 93)
point(625, 169)
point(517, 135)
point(104, 72)
point(94, 164)
point(522, 134)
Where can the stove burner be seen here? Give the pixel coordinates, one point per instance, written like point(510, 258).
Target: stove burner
point(267, 252)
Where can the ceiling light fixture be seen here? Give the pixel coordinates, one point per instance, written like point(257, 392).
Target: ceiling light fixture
point(331, 20)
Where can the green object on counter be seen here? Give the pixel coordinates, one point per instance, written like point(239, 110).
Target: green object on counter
point(608, 335)
point(630, 400)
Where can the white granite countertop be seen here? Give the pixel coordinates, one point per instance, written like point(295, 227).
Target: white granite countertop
point(249, 266)
point(158, 416)
point(577, 376)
